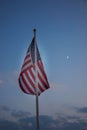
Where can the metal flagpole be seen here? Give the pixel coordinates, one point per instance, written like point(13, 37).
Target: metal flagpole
point(37, 103)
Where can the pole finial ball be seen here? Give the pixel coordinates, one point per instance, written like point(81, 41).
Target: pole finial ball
point(34, 32)
point(34, 29)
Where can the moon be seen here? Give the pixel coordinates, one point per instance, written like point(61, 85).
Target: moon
point(67, 57)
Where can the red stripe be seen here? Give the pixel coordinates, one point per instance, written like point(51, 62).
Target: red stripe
point(28, 68)
point(44, 84)
point(33, 76)
point(21, 86)
point(32, 84)
point(27, 86)
point(27, 56)
point(39, 86)
point(27, 62)
point(40, 65)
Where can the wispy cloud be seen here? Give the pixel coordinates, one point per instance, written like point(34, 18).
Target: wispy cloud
point(12, 78)
point(1, 82)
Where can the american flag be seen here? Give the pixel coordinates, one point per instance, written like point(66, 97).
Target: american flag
point(27, 77)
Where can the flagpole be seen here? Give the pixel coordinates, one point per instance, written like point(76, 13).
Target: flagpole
point(37, 103)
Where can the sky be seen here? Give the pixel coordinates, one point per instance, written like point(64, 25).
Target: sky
point(62, 41)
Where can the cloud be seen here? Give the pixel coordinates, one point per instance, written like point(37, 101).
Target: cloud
point(4, 108)
point(24, 121)
point(46, 123)
point(20, 114)
point(82, 110)
point(13, 114)
point(8, 125)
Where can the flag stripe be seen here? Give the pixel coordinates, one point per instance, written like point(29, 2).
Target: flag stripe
point(40, 87)
point(42, 76)
point(40, 66)
point(22, 85)
point(30, 80)
point(32, 73)
point(26, 67)
point(44, 84)
point(26, 84)
point(27, 62)
point(27, 56)
point(37, 89)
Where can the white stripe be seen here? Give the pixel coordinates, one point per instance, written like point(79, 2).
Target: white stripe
point(42, 86)
point(30, 76)
point(36, 85)
point(26, 66)
point(38, 90)
point(28, 53)
point(28, 82)
point(23, 85)
point(33, 71)
point(27, 59)
point(41, 75)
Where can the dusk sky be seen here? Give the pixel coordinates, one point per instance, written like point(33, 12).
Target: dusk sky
point(62, 41)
